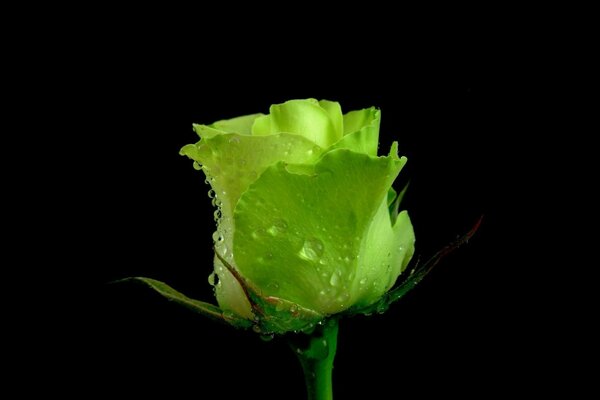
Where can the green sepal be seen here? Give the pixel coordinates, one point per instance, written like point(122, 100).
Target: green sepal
point(201, 307)
point(273, 314)
point(415, 276)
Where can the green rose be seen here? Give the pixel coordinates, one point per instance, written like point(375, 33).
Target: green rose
point(307, 219)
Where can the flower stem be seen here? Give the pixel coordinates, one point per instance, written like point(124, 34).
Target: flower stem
point(317, 357)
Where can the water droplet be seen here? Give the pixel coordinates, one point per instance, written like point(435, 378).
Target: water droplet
point(347, 259)
point(213, 279)
point(234, 139)
point(312, 250)
point(278, 227)
point(212, 194)
point(343, 297)
point(334, 280)
point(217, 237)
point(197, 166)
point(259, 233)
point(363, 281)
point(256, 328)
point(217, 215)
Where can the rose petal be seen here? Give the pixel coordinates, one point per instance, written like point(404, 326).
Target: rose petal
point(301, 236)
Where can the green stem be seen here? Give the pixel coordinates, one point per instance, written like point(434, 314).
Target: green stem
point(317, 359)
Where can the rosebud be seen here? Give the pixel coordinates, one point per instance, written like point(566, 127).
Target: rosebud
point(307, 219)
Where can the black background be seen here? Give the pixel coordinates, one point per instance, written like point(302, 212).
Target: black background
point(457, 108)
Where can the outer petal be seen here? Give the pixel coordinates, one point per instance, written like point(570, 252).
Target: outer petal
point(242, 125)
point(299, 235)
point(231, 163)
point(385, 252)
point(302, 117)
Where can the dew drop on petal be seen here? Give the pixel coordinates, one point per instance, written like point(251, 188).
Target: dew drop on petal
point(279, 227)
point(312, 250)
point(334, 280)
point(213, 279)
